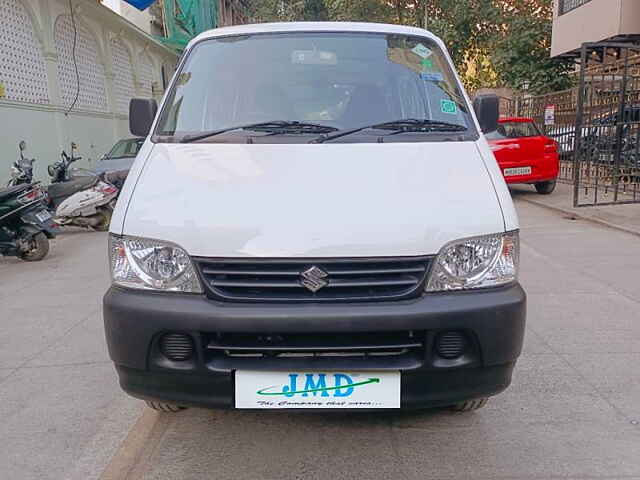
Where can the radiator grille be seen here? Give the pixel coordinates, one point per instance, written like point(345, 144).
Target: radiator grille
point(314, 280)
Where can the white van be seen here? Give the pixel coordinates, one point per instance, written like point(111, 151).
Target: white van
point(315, 220)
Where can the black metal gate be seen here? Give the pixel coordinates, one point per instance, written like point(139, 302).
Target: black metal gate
point(606, 146)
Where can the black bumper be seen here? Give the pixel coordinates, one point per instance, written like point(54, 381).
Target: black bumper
point(493, 319)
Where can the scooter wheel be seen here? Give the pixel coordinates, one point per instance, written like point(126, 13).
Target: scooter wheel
point(38, 248)
point(105, 220)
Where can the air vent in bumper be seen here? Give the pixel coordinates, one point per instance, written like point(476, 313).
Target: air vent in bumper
point(324, 350)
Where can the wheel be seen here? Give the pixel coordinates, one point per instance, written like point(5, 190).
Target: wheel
point(37, 250)
point(105, 220)
point(164, 407)
point(470, 405)
point(545, 188)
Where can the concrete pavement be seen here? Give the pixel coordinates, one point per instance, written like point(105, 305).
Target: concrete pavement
point(573, 410)
point(621, 217)
point(62, 415)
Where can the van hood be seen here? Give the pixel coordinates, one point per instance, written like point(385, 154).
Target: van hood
point(321, 200)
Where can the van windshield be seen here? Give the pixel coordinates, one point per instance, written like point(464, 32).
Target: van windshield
point(338, 81)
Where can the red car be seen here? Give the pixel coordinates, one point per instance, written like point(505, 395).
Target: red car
point(524, 154)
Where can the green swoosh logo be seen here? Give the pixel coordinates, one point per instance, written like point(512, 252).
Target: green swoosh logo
point(325, 389)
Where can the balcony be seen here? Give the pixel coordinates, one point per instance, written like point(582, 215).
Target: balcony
point(579, 21)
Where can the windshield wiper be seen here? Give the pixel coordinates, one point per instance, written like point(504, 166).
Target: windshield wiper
point(399, 126)
point(275, 126)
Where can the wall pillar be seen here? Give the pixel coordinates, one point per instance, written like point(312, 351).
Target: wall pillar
point(50, 54)
point(51, 63)
point(109, 79)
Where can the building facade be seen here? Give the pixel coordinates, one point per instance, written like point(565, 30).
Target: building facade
point(141, 19)
point(69, 77)
point(181, 20)
point(579, 21)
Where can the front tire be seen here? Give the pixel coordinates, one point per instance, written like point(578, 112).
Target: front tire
point(164, 407)
point(545, 188)
point(470, 405)
point(39, 248)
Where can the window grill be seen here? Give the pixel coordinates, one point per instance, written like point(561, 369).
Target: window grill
point(123, 76)
point(146, 76)
point(568, 5)
point(22, 67)
point(92, 93)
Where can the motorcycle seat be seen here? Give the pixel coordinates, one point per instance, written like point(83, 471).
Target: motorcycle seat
point(8, 192)
point(66, 189)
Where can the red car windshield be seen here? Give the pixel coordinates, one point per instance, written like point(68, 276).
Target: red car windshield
point(508, 130)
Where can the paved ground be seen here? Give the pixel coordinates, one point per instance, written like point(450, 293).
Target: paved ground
point(573, 410)
point(61, 414)
point(622, 217)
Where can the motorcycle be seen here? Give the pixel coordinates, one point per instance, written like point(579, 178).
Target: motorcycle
point(22, 169)
point(77, 197)
point(66, 182)
point(25, 224)
point(85, 200)
point(90, 208)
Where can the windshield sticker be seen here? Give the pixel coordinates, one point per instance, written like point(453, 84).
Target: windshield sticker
point(432, 77)
point(427, 64)
point(448, 106)
point(422, 51)
point(314, 57)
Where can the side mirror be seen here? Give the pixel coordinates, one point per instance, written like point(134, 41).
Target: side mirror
point(487, 108)
point(142, 112)
point(23, 146)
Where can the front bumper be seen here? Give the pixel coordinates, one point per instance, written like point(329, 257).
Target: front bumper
point(494, 319)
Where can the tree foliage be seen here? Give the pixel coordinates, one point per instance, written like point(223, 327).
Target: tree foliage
point(315, 10)
point(492, 42)
point(522, 53)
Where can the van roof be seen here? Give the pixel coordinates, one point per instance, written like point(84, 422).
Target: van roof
point(315, 27)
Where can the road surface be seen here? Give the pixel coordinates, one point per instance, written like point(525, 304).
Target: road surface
point(573, 410)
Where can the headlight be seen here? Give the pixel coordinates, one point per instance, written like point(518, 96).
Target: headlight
point(478, 262)
point(151, 265)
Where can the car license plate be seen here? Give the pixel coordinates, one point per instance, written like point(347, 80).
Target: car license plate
point(512, 172)
point(43, 215)
point(317, 389)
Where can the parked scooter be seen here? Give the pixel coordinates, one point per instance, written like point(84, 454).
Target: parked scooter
point(91, 208)
point(22, 169)
point(84, 200)
point(25, 224)
point(77, 197)
point(66, 182)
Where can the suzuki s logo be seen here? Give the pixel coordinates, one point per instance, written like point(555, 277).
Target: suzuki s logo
point(317, 384)
point(314, 279)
